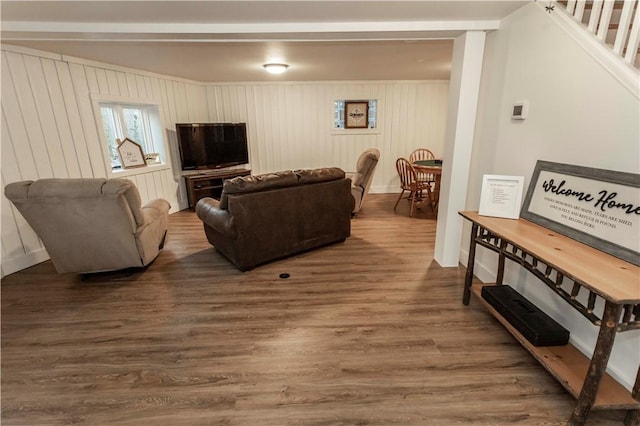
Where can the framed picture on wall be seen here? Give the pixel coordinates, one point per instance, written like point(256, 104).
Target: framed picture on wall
point(356, 114)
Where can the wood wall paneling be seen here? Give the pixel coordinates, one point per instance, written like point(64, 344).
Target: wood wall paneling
point(290, 125)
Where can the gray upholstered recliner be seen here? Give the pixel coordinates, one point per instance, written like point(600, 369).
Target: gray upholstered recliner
point(92, 225)
point(363, 176)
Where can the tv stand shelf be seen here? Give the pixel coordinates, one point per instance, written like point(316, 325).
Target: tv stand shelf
point(209, 183)
point(582, 276)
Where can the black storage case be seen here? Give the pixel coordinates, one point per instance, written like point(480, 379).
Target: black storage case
point(536, 326)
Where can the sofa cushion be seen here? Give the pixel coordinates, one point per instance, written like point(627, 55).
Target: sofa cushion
point(246, 184)
point(319, 175)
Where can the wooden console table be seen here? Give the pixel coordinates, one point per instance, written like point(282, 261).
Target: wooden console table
point(568, 267)
point(209, 183)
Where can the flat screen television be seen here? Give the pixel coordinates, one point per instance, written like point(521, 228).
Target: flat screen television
point(212, 145)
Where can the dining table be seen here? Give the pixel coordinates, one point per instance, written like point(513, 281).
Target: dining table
point(433, 167)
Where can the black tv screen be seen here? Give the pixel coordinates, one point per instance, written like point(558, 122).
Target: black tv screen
point(212, 145)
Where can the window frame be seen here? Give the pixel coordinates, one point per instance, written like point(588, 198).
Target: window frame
point(151, 135)
point(362, 131)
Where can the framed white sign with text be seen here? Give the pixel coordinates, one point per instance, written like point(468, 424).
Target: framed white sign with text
point(600, 208)
point(501, 196)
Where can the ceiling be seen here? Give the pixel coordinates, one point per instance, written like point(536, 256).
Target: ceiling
point(223, 41)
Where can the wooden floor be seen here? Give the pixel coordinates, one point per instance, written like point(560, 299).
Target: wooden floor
point(371, 331)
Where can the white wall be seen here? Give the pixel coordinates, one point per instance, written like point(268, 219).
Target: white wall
point(290, 125)
point(49, 130)
point(578, 114)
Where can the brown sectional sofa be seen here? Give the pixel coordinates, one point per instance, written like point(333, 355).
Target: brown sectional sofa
point(266, 217)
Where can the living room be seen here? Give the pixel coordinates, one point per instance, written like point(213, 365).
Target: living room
point(579, 114)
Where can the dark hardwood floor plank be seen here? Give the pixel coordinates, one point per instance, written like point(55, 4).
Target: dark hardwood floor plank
point(369, 331)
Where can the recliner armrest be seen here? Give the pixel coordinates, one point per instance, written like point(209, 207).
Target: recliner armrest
point(154, 209)
point(209, 212)
point(357, 191)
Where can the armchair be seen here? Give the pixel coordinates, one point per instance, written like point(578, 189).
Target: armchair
point(92, 225)
point(363, 176)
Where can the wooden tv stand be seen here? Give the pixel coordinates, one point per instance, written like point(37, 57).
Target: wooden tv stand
point(209, 183)
point(568, 267)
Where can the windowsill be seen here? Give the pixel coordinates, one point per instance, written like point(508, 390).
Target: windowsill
point(348, 132)
point(121, 173)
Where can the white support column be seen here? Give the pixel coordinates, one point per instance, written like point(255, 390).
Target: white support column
point(464, 86)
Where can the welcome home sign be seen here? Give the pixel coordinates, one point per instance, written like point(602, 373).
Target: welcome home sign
point(598, 207)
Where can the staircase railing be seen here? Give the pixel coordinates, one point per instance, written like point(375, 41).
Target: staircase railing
point(608, 30)
point(599, 18)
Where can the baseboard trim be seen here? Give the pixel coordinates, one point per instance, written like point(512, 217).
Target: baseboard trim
point(15, 264)
point(482, 272)
point(384, 189)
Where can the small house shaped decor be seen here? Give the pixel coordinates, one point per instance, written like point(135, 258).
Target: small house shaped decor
point(131, 154)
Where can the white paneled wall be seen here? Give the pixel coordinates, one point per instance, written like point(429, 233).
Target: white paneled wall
point(290, 125)
point(49, 129)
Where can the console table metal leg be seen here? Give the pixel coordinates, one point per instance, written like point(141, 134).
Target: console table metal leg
point(468, 279)
point(598, 365)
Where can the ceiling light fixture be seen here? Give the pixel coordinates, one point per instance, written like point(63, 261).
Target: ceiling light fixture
point(274, 68)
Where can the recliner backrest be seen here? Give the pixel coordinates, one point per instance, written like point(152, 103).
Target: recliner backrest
point(365, 166)
point(363, 177)
point(82, 221)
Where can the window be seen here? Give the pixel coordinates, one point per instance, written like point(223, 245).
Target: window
point(138, 122)
point(338, 114)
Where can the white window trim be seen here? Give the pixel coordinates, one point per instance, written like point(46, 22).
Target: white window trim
point(122, 173)
point(349, 132)
point(96, 99)
point(346, 132)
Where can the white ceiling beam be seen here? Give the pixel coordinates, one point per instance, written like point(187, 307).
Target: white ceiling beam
point(30, 30)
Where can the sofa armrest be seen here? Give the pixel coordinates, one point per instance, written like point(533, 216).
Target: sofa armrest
point(209, 212)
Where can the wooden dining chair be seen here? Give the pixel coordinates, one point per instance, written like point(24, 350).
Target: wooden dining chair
point(423, 154)
point(409, 182)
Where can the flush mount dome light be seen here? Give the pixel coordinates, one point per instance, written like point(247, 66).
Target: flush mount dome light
point(275, 68)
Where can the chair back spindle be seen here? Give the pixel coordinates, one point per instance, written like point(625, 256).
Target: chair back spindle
point(410, 182)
